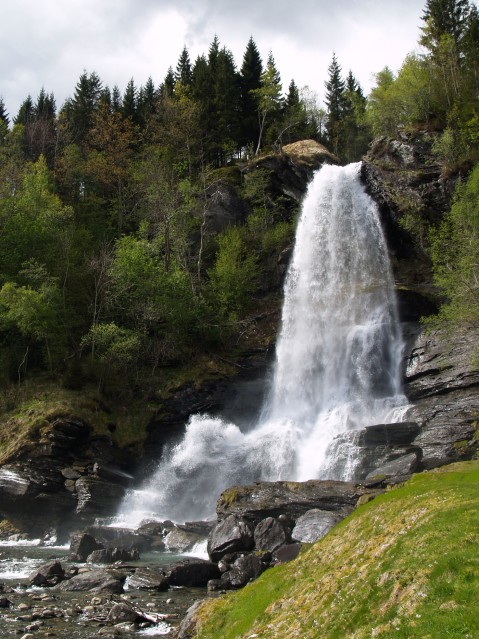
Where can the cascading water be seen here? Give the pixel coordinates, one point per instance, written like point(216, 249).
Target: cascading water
point(337, 365)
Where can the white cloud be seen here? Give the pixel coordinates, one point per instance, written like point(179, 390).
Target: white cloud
point(48, 44)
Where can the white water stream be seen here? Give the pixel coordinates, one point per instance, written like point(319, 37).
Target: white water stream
point(337, 365)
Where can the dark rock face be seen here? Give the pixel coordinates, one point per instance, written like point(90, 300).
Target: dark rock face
point(403, 176)
point(442, 379)
point(47, 482)
point(230, 535)
point(402, 466)
point(97, 497)
point(272, 499)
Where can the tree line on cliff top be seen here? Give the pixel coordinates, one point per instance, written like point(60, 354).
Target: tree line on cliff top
point(106, 264)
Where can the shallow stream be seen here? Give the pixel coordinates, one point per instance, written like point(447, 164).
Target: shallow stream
point(81, 615)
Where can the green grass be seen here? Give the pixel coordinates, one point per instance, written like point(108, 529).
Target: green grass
point(405, 565)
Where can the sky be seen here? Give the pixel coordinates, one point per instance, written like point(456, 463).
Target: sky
point(49, 43)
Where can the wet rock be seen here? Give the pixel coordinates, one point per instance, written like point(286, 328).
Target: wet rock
point(94, 581)
point(192, 573)
point(146, 578)
point(270, 534)
point(395, 434)
point(181, 540)
point(112, 555)
point(314, 524)
point(48, 574)
point(82, 545)
point(70, 473)
point(124, 538)
point(98, 497)
point(111, 474)
point(123, 613)
point(230, 535)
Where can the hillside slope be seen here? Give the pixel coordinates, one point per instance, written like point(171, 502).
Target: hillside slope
point(404, 565)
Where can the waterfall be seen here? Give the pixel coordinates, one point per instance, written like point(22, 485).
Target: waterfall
point(337, 365)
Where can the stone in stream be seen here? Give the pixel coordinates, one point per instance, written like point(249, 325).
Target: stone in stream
point(192, 573)
point(97, 580)
point(48, 574)
point(147, 578)
point(82, 545)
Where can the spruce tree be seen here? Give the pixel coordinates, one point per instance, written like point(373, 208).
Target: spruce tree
point(335, 102)
point(250, 80)
point(183, 73)
point(129, 107)
point(444, 18)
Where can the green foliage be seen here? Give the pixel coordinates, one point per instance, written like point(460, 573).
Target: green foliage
point(116, 349)
point(36, 313)
point(391, 569)
point(455, 254)
point(234, 275)
point(34, 221)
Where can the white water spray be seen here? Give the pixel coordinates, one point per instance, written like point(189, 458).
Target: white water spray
point(337, 365)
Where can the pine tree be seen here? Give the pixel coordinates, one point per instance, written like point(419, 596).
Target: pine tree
point(129, 107)
point(183, 73)
point(4, 121)
point(335, 101)
point(147, 99)
point(444, 18)
point(26, 112)
point(250, 80)
point(79, 110)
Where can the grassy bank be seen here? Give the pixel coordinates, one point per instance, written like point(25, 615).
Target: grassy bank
point(405, 565)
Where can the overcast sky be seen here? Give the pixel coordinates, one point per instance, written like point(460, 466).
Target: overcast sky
point(48, 43)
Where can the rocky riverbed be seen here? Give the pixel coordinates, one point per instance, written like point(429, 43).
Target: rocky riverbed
point(105, 604)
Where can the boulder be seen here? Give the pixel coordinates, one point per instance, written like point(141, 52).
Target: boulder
point(82, 545)
point(192, 573)
point(270, 534)
point(124, 538)
point(112, 555)
point(314, 525)
point(48, 574)
point(123, 613)
point(230, 535)
point(400, 467)
point(147, 578)
point(255, 502)
point(245, 569)
point(181, 540)
point(283, 554)
point(96, 580)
